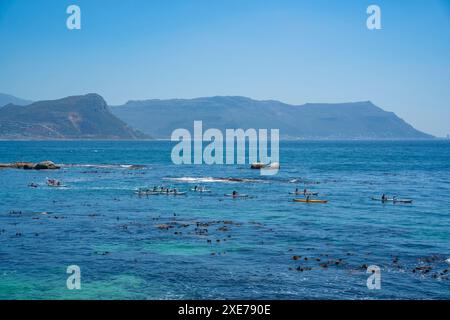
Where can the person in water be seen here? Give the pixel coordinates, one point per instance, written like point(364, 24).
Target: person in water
point(383, 197)
point(54, 182)
point(195, 188)
point(296, 190)
point(305, 191)
point(234, 194)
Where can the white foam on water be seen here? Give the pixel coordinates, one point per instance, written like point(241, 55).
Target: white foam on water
point(211, 180)
point(106, 166)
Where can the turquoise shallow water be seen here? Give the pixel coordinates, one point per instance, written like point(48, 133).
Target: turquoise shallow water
point(156, 247)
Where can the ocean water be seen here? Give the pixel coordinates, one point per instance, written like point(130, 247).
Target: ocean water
point(207, 246)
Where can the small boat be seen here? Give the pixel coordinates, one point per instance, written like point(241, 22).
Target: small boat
point(403, 201)
point(310, 201)
point(394, 200)
point(147, 193)
point(165, 191)
point(383, 200)
point(55, 183)
point(236, 195)
point(152, 193)
point(174, 193)
point(299, 193)
point(200, 190)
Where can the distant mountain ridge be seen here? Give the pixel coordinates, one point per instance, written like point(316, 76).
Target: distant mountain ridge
point(89, 117)
point(356, 120)
point(76, 117)
point(7, 99)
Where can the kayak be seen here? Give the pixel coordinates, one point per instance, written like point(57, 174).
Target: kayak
point(385, 200)
point(57, 186)
point(148, 193)
point(55, 183)
point(306, 194)
point(156, 193)
point(200, 190)
point(393, 200)
point(310, 201)
point(403, 201)
point(179, 193)
point(237, 195)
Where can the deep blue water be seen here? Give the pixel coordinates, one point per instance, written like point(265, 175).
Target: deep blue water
point(99, 224)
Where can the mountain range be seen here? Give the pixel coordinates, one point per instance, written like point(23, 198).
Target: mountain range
point(357, 120)
point(7, 99)
point(76, 117)
point(89, 117)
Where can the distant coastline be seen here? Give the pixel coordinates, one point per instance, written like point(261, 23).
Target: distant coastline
point(88, 117)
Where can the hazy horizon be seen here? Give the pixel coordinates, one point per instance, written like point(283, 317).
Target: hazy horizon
point(295, 52)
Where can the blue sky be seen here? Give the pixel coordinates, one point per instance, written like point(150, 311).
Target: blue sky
point(293, 51)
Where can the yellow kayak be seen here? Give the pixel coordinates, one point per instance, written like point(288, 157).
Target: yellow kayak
point(310, 201)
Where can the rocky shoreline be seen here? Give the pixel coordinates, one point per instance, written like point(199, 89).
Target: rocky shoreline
point(43, 165)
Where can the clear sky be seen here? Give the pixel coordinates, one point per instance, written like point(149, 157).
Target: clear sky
point(294, 51)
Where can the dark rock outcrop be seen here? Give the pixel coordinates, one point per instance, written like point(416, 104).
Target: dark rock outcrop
point(44, 165)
